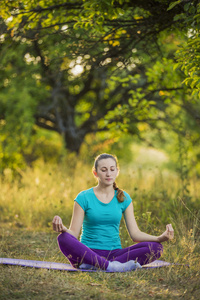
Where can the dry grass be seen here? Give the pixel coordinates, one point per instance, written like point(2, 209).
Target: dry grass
point(28, 204)
point(32, 199)
point(174, 282)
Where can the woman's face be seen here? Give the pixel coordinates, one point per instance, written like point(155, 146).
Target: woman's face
point(107, 171)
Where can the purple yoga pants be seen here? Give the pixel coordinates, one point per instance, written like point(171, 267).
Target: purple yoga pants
point(77, 253)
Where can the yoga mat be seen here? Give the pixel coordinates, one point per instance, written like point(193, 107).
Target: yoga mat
point(65, 267)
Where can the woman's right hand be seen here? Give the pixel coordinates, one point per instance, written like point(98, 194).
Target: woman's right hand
point(167, 235)
point(58, 225)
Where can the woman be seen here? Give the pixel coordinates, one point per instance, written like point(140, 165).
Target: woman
point(98, 211)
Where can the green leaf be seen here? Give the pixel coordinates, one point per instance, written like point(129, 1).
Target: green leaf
point(173, 4)
point(179, 17)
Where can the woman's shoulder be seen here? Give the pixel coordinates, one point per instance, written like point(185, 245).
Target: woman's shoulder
point(127, 196)
point(85, 192)
point(127, 201)
point(83, 198)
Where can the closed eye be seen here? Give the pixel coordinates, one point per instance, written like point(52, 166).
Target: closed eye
point(112, 169)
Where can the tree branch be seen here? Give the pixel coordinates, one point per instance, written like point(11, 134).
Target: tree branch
point(46, 126)
point(39, 9)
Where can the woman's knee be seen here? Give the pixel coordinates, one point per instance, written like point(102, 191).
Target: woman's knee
point(63, 238)
point(156, 248)
point(66, 239)
point(159, 247)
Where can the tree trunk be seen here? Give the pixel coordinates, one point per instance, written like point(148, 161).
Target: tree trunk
point(73, 142)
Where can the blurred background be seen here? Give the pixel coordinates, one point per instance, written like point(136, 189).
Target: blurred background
point(79, 78)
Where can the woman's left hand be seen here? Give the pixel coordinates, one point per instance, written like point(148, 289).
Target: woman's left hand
point(167, 235)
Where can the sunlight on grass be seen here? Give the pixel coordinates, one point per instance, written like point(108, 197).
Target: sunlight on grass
point(29, 202)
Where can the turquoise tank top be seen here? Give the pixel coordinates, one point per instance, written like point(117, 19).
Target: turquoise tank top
point(101, 223)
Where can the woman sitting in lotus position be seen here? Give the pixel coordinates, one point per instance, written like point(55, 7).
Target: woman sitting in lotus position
point(98, 211)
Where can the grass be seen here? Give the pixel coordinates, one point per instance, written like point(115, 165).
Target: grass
point(174, 282)
point(28, 204)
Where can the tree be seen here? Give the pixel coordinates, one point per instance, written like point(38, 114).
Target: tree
point(188, 55)
point(114, 45)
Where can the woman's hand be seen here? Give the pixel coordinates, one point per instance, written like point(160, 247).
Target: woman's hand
point(58, 225)
point(167, 235)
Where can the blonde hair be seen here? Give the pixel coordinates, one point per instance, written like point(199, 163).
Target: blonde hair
point(120, 193)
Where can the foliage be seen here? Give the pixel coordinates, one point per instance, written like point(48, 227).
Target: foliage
point(188, 56)
point(84, 67)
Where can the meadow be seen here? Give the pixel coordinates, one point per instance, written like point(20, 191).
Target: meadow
point(29, 200)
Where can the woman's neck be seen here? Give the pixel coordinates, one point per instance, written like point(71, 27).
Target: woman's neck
point(104, 194)
point(104, 189)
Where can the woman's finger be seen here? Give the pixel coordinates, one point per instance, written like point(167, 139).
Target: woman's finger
point(169, 227)
point(57, 224)
point(171, 231)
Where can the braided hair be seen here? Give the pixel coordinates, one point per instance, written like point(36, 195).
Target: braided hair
point(120, 193)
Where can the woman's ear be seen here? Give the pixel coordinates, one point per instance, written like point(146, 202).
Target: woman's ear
point(95, 173)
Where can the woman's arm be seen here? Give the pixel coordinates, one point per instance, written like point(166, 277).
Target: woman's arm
point(139, 236)
point(76, 221)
